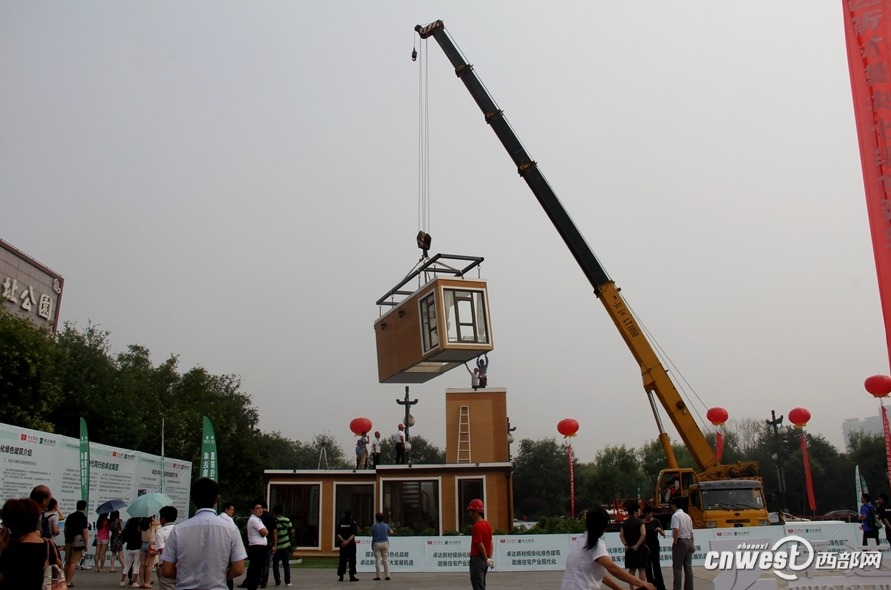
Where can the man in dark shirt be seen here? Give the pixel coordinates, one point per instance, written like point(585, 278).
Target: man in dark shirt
point(346, 540)
point(268, 522)
point(884, 513)
point(653, 558)
point(76, 536)
point(633, 536)
point(868, 519)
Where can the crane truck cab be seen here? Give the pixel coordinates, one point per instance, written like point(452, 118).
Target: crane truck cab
point(726, 503)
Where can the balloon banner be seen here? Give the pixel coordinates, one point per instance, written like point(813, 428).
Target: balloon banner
point(808, 480)
point(571, 484)
point(719, 444)
point(887, 439)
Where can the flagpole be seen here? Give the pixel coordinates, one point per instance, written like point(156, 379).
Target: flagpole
point(162, 456)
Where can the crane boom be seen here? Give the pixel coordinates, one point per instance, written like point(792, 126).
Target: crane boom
point(655, 378)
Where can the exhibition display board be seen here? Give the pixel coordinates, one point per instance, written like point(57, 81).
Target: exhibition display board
point(30, 457)
point(548, 552)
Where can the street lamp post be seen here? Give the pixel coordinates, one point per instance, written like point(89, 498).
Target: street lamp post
point(510, 437)
point(781, 476)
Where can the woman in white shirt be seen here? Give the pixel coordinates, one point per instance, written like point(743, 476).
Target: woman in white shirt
point(587, 561)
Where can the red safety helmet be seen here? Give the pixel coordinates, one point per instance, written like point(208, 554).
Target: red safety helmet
point(476, 504)
point(377, 433)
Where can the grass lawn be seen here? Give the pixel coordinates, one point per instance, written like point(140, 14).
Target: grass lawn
point(326, 563)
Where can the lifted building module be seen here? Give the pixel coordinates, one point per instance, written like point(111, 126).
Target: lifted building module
point(439, 326)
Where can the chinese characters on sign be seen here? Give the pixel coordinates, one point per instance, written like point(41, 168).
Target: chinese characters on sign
point(27, 299)
point(28, 289)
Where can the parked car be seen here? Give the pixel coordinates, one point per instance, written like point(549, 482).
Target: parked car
point(845, 515)
point(524, 524)
point(783, 517)
point(792, 518)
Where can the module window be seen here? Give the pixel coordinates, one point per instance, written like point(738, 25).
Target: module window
point(429, 323)
point(466, 316)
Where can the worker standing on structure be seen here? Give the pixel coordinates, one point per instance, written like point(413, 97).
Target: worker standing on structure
point(482, 363)
point(399, 437)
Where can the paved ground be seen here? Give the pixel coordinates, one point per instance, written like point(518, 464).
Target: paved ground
point(312, 579)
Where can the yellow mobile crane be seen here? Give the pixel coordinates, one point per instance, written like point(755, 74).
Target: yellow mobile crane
point(717, 495)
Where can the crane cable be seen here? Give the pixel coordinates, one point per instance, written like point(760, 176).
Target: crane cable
point(423, 146)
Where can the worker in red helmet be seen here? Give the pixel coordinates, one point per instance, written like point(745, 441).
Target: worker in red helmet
point(399, 437)
point(480, 545)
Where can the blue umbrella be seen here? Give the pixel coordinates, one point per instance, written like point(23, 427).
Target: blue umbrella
point(148, 504)
point(111, 506)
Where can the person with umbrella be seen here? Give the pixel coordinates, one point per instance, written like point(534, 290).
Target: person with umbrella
point(110, 506)
point(148, 505)
point(103, 535)
point(132, 537)
point(116, 540)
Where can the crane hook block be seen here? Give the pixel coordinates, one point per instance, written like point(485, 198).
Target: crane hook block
point(424, 241)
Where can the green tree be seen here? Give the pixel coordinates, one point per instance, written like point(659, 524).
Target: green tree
point(616, 475)
point(829, 471)
point(135, 404)
point(311, 454)
point(29, 374)
point(652, 461)
point(279, 451)
point(49, 383)
point(541, 479)
point(868, 451)
point(747, 434)
point(87, 378)
point(241, 458)
point(824, 460)
point(423, 452)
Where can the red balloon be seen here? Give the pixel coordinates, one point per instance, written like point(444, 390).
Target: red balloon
point(360, 425)
point(878, 385)
point(567, 427)
point(717, 416)
point(799, 416)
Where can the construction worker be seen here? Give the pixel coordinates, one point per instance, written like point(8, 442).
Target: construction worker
point(399, 437)
point(480, 545)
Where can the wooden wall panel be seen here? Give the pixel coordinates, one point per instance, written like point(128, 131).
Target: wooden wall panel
point(488, 424)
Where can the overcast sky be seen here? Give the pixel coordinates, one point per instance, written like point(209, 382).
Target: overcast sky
point(235, 183)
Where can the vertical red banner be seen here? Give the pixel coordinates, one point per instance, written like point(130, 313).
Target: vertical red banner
point(719, 444)
point(808, 480)
point(867, 35)
point(887, 440)
point(571, 484)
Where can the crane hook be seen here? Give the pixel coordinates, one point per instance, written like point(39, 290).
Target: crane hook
point(423, 240)
point(414, 54)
